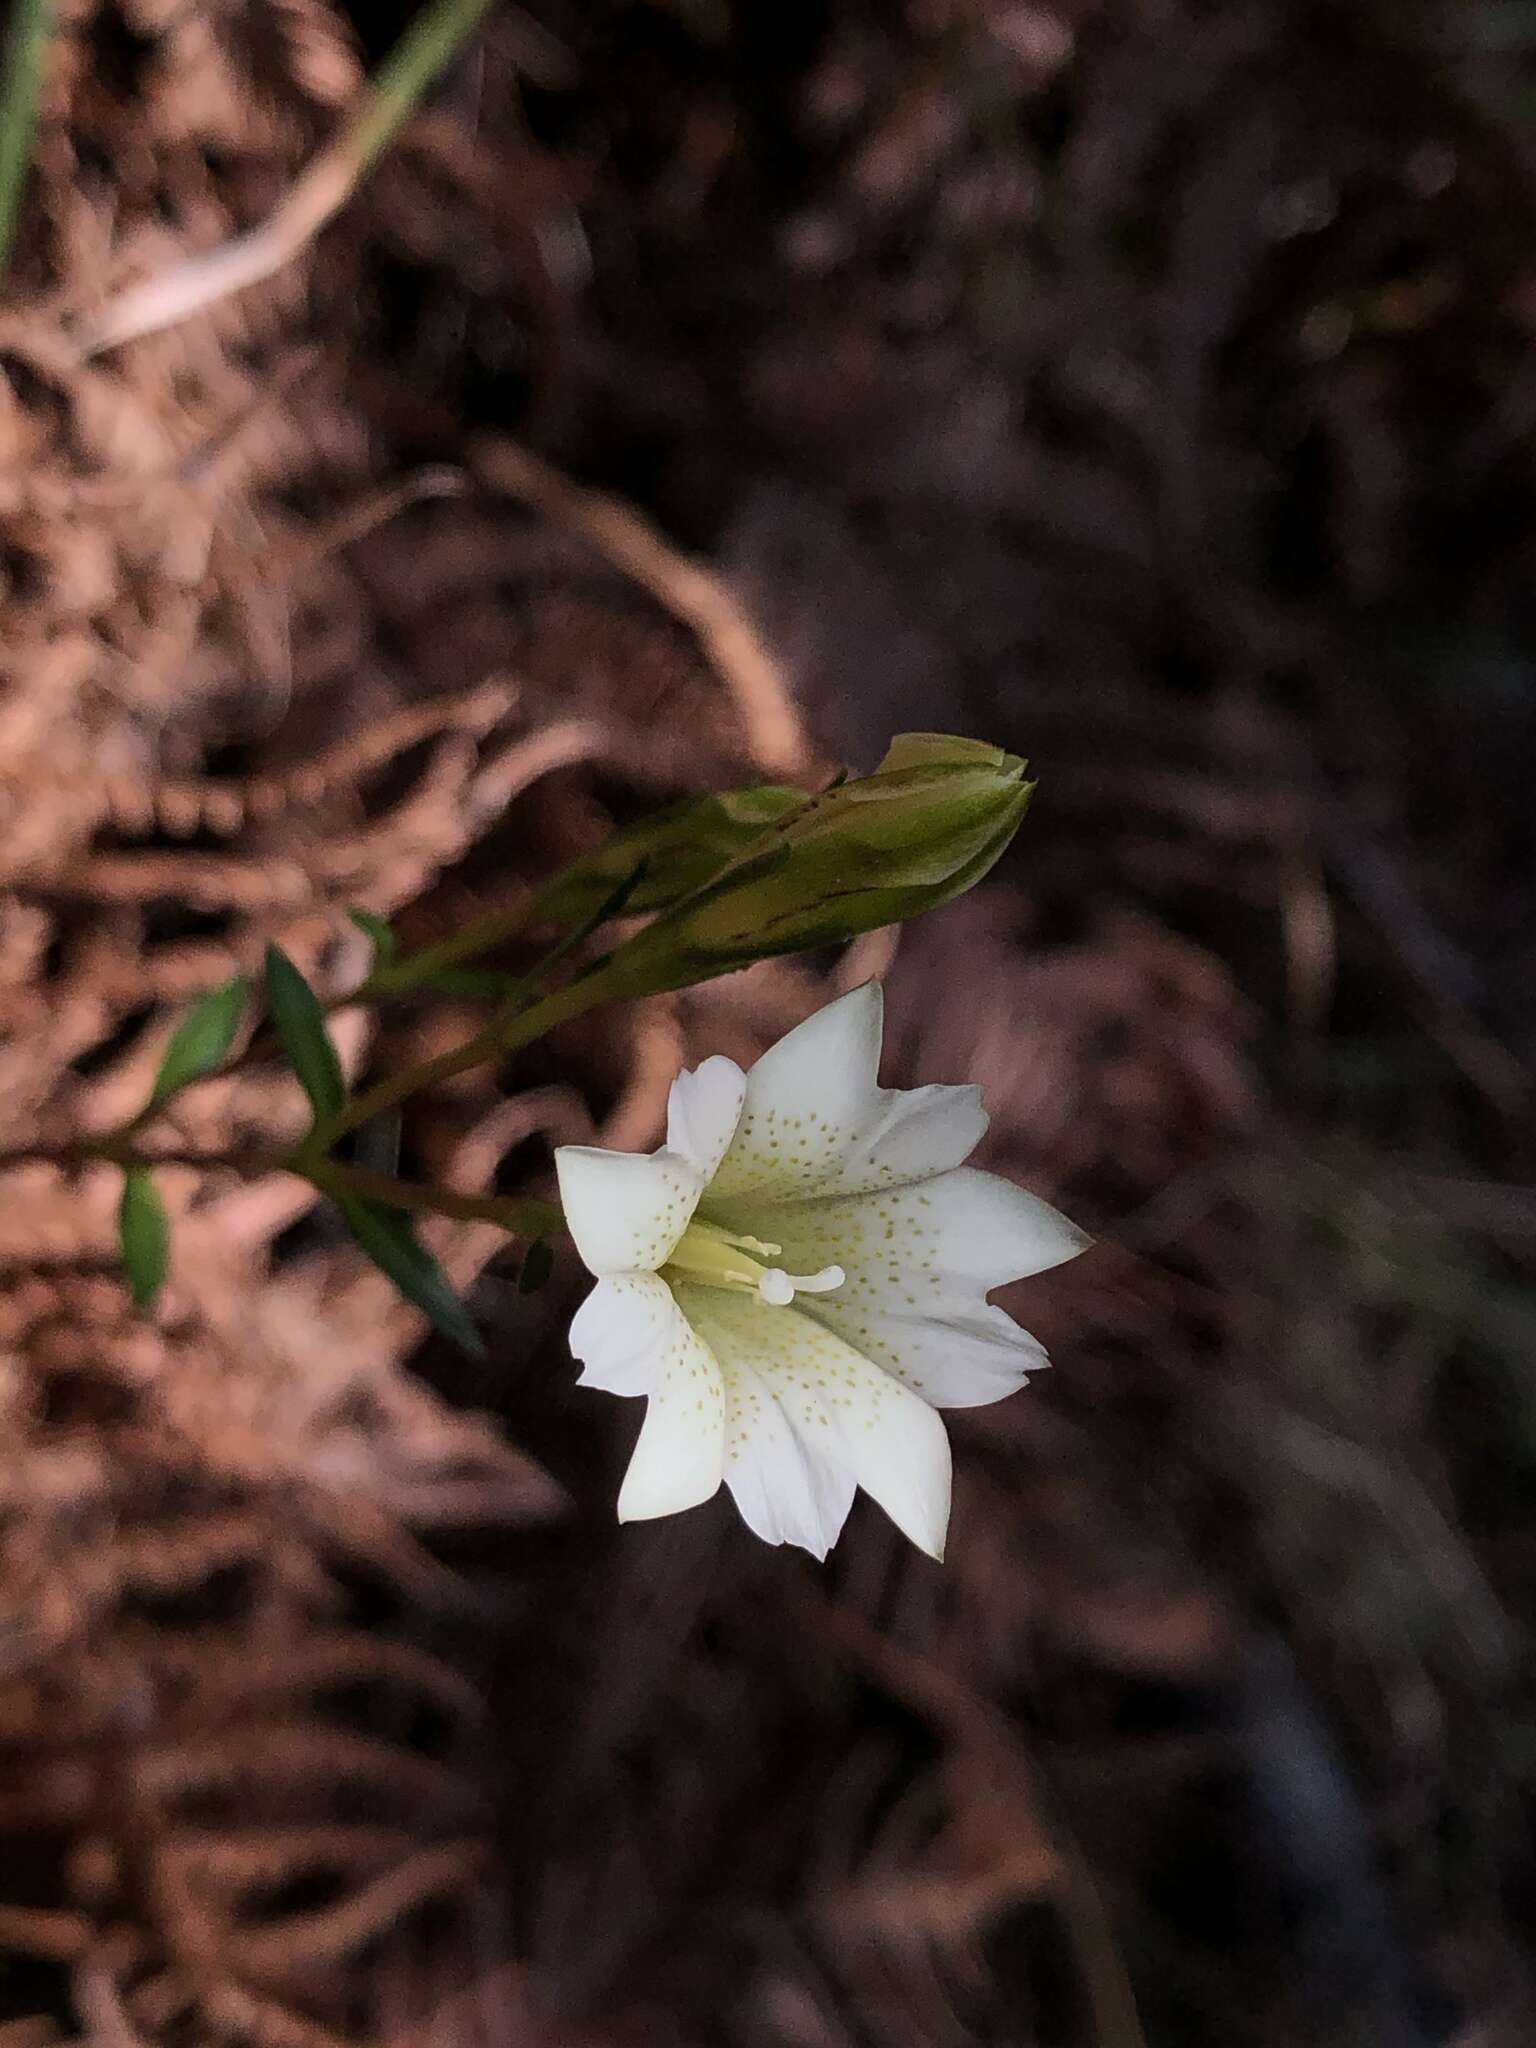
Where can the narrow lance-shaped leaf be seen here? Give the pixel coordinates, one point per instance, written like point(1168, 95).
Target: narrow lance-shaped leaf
point(201, 1040)
point(385, 944)
point(388, 1239)
point(144, 1235)
point(301, 1027)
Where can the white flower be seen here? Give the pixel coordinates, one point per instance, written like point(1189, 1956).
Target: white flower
point(798, 1278)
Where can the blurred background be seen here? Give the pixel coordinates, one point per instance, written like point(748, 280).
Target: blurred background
point(1148, 386)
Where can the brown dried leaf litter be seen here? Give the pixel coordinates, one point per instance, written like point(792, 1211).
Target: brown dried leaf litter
point(331, 1706)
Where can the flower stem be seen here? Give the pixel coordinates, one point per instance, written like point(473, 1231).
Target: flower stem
point(519, 1215)
point(21, 78)
point(504, 1034)
point(402, 976)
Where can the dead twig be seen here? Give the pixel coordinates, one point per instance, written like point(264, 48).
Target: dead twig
point(423, 52)
point(729, 639)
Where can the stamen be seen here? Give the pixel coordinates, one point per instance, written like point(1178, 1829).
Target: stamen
point(698, 1229)
point(820, 1283)
point(756, 1245)
point(713, 1257)
point(779, 1288)
point(705, 1255)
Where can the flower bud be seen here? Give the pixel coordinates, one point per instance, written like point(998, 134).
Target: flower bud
point(931, 820)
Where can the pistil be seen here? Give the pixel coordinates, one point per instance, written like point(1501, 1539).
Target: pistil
point(713, 1257)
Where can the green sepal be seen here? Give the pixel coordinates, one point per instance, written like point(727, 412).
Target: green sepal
point(681, 847)
point(930, 821)
point(645, 867)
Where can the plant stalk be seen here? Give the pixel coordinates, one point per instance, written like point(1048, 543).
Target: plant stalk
point(519, 1215)
point(21, 79)
point(506, 1033)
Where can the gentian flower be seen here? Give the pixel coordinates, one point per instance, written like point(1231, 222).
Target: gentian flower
point(798, 1279)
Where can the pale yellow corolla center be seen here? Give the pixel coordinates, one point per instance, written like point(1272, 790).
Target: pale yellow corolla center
point(712, 1257)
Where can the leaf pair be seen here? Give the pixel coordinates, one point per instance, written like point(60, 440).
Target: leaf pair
point(198, 1045)
point(385, 1234)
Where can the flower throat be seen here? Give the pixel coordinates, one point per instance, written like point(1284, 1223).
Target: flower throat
point(712, 1257)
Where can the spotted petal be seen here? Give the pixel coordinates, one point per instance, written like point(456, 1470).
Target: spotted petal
point(816, 1122)
point(625, 1210)
point(919, 1261)
point(840, 1408)
point(622, 1333)
point(786, 1486)
point(703, 1111)
point(634, 1339)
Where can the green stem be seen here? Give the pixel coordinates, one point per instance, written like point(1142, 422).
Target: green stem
point(504, 1034)
point(26, 39)
point(399, 977)
point(519, 1215)
point(426, 49)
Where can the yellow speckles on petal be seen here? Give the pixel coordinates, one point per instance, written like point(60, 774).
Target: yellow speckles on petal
point(827, 1260)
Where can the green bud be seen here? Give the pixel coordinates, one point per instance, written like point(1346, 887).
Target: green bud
point(931, 820)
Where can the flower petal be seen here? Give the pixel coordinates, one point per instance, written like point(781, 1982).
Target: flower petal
point(953, 1361)
point(807, 1098)
point(680, 1453)
point(846, 1410)
point(919, 1261)
point(785, 1489)
point(964, 1226)
point(816, 1122)
point(703, 1111)
point(621, 1333)
point(625, 1210)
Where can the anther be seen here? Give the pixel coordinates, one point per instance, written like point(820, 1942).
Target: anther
point(779, 1288)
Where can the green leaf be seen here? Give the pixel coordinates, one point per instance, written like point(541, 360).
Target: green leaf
point(144, 1235)
point(385, 944)
point(387, 1237)
point(201, 1039)
point(538, 1264)
point(301, 1027)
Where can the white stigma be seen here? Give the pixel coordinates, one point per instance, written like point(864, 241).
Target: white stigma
point(779, 1288)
